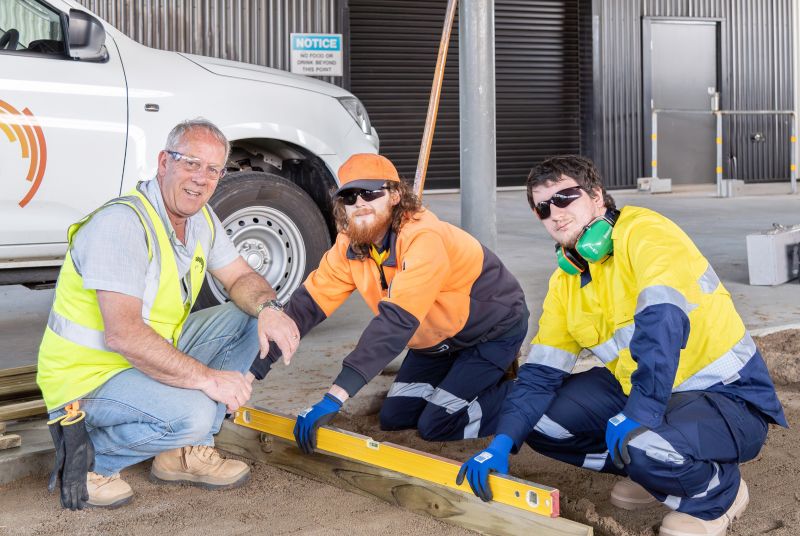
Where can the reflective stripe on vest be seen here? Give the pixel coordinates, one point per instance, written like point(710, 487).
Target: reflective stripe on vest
point(73, 357)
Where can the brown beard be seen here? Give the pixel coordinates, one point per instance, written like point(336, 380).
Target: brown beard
point(361, 235)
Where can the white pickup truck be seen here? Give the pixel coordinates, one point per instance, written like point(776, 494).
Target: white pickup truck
point(84, 111)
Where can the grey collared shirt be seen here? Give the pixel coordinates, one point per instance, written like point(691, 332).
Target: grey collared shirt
point(110, 250)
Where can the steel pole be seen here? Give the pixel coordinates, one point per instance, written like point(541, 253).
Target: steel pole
point(793, 158)
point(476, 85)
point(796, 93)
point(718, 140)
point(654, 146)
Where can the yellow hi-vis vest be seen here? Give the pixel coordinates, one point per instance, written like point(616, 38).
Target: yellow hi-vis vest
point(73, 357)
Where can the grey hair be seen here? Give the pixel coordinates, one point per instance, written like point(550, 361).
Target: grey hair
point(180, 130)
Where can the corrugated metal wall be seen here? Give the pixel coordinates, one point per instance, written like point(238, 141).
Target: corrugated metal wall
point(394, 44)
point(618, 91)
point(252, 31)
point(538, 97)
point(761, 74)
point(759, 68)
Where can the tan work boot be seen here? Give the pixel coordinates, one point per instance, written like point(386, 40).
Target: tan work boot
point(107, 491)
point(629, 495)
point(678, 524)
point(199, 466)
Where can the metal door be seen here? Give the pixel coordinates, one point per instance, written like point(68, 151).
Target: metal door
point(681, 66)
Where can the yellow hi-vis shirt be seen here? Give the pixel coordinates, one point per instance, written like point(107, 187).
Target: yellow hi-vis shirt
point(654, 262)
point(73, 357)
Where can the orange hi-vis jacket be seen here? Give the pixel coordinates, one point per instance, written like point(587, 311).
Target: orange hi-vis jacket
point(441, 291)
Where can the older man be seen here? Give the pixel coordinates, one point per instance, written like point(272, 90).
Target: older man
point(684, 396)
point(151, 378)
point(433, 288)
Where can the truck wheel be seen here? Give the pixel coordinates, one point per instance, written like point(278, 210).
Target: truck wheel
point(276, 227)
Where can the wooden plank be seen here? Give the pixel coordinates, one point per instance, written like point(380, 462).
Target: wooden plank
point(419, 496)
point(9, 441)
point(16, 371)
point(18, 386)
point(536, 498)
point(19, 410)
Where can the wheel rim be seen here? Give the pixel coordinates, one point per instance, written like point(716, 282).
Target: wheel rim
point(271, 243)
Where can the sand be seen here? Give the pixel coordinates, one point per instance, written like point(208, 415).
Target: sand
point(277, 502)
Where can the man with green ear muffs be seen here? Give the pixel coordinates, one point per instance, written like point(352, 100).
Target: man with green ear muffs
point(684, 396)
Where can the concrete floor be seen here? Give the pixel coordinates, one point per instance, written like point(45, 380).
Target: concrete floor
point(718, 226)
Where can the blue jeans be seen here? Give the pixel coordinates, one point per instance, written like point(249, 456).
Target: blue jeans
point(133, 417)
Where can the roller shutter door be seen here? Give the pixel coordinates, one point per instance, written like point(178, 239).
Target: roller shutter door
point(393, 48)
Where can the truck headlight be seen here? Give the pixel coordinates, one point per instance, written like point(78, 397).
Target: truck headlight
point(357, 112)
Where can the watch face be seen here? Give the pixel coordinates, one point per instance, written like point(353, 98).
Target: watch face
point(270, 304)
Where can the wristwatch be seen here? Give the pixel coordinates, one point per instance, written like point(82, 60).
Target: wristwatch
point(269, 304)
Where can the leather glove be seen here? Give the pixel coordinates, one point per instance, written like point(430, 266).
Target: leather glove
point(321, 413)
point(619, 432)
point(477, 469)
point(74, 459)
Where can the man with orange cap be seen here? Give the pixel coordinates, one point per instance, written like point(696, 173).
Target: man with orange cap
point(434, 289)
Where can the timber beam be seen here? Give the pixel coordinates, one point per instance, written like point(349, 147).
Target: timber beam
point(444, 501)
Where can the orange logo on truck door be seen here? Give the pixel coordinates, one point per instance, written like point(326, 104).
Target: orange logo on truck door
point(23, 127)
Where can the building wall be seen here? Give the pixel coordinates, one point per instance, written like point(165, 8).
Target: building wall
point(605, 65)
point(252, 31)
point(759, 67)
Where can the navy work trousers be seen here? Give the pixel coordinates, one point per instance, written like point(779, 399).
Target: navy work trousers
point(690, 462)
point(452, 396)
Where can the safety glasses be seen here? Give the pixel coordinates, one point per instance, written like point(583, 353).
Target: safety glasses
point(195, 166)
point(561, 199)
point(349, 197)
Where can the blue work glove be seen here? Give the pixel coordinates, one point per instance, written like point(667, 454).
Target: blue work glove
point(321, 413)
point(619, 432)
point(477, 469)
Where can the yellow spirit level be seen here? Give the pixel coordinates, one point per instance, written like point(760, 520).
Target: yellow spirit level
point(542, 500)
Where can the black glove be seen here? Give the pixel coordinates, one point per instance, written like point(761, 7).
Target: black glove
point(58, 467)
point(74, 459)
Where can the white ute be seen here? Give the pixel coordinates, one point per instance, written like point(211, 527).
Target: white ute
point(84, 111)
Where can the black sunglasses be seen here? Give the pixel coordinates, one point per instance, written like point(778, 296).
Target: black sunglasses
point(349, 197)
point(561, 199)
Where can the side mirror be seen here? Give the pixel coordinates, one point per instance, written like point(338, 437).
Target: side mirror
point(86, 37)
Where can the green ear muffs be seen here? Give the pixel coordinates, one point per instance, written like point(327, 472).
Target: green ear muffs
point(594, 245)
point(570, 261)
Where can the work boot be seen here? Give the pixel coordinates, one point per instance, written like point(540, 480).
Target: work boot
point(199, 466)
point(629, 495)
point(678, 524)
point(107, 491)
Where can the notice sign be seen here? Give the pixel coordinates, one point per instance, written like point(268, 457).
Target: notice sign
point(316, 54)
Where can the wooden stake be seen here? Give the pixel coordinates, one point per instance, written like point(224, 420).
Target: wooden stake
point(433, 103)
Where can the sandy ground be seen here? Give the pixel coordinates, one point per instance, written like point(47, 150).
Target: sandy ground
point(276, 502)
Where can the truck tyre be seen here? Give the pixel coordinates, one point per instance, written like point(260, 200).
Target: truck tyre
point(276, 227)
